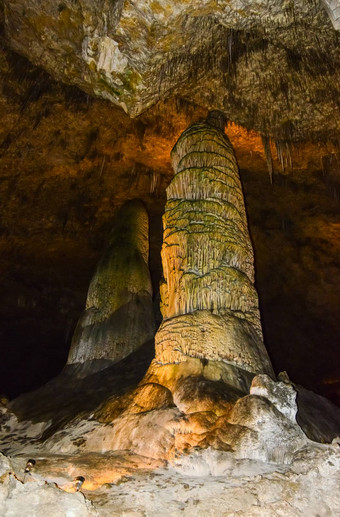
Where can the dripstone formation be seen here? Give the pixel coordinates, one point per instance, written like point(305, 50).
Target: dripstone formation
point(209, 302)
point(223, 54)
point(118, 317)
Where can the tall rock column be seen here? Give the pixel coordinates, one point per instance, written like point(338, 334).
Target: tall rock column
point(118, 317)
point(209, 302)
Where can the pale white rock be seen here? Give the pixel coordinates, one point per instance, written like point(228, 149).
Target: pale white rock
point(105, 54)
point(281, 394)
point(40, 499)
point(210, 483)
point(333, 9)
point(24, 495)
point(267, 434)
point(7, 481)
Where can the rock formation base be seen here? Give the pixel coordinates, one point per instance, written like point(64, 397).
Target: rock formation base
point(176, 457)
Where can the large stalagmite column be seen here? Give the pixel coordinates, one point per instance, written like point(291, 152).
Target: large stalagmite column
point(119, 313)
point(209, 302)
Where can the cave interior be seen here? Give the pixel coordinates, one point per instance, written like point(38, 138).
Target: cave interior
point(71, 156)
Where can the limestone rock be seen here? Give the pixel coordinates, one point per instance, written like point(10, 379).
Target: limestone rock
point(150, 434)
point(317, 416)
point(196, 394)
point(6, 479)
point(281, 394)
point(206, 335)
point(209, 302)
point(202, 483)
point(149, 397)
point(201, 414)
point(37, 498)
point(333, 9)
point(220, 54)
point(42, 499)
point(119, 313)
point(263, 432)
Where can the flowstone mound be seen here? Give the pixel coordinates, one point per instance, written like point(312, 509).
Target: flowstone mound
point(118, 317)
point(260, 426)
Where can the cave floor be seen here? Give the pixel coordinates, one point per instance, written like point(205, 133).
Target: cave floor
point(204, 483)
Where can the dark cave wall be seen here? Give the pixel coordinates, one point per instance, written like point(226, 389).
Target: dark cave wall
point(297, 245)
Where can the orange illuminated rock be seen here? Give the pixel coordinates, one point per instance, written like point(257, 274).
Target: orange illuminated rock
point(209, 302)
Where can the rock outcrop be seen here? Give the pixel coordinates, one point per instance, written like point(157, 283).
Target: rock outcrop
point(118, 317)
point(209, 302)
point(21, 494)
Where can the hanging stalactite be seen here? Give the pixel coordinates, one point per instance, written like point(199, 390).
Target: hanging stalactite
point(268, 155)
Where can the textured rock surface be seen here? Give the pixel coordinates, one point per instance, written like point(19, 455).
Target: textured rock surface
point(150, 423)
point(119, 313)
point(220, 54)
point(203, 483)
point(22, 495)
point(333, 9)
point(209, 302)
point(281, 394)
point(256, 461)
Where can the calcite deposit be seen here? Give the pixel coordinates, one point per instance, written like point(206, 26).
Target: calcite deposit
point(209, 302)
point(203, 483)
point(333, 9)
point(219, 54)
point(119, 313)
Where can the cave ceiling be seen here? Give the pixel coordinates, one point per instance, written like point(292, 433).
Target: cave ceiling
point(94, 94)
point(219, 54)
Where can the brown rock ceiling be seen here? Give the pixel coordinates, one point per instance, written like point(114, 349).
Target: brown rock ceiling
point(69, 161)
point(220, 54)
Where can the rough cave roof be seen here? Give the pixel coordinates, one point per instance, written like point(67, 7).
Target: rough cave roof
point(269, 65)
